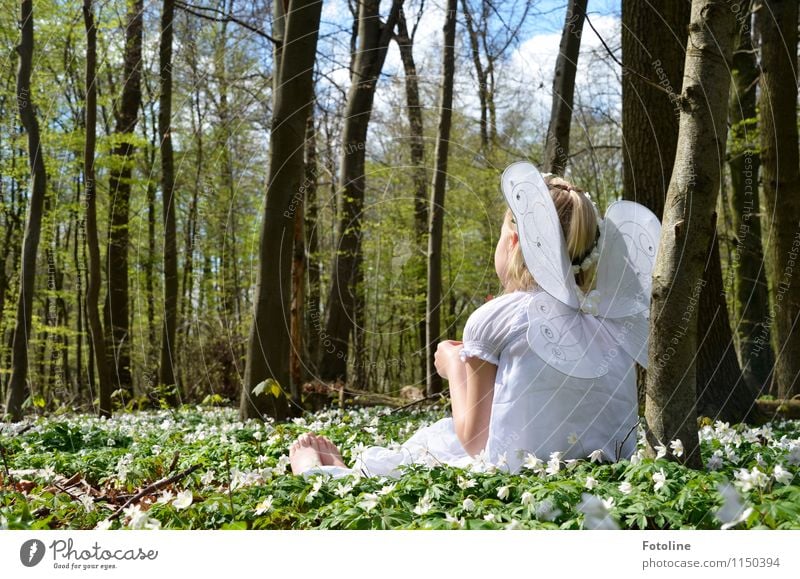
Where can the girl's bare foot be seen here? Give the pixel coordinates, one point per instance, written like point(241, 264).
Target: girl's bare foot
point(328, 452)
point(303, 455)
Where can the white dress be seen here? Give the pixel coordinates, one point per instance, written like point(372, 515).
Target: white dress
point(536, 409)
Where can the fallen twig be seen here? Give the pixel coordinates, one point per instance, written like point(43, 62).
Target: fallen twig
point(152, 488)
point(413, 402)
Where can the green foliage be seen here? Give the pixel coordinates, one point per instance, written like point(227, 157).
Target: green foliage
point(243, 480)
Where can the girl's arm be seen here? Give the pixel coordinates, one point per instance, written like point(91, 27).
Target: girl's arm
point(471, 392)
point(477, 410)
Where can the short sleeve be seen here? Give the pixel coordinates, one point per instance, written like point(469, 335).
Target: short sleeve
point(489, 328)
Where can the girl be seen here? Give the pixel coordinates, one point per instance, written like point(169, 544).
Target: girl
point(547, 369)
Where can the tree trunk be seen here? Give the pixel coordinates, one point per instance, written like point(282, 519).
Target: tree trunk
point(480, 74)
point(751, 296)
point(781, 181)
point(168, 350)
point(419, 175)
point(345, 298)
point(98, 343)
point(312, 309)
point(653, 35)
point(436, 227)
point(126, 116)
point(268, 345)
point(687, 231)
point(18, 389)
point(556, 151)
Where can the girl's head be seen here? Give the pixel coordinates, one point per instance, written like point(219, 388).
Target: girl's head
point(578, 223)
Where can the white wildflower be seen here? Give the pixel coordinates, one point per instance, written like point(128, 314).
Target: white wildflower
point(625, 488)
point(748, 480)
point(591, 482)
point(466, 483)
point(468, 505)
point(781, 475)
point(554, 464)
point(527, 498)
point(502, 460)
point(343, 489)
point(207, 478)
point(660, 479)
point(183, 500)
point(386, 489)
point(572, 438)
point(793, 458)
point(165, 497)
point(489, 517)
point(423, 506)
point(661, 451)
point(596, 455)
point(715, 462)
point(103, 525)
point(677, 447)
point(502, 493)
point(596, 513)
point(264, 506)
point(609, 503)
point(369, 501)
point(532, 462)
point(87, 502)
point(514, 525)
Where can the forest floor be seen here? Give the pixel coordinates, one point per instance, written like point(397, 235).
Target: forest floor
point(201, 468)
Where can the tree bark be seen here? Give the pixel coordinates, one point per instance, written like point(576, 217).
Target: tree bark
point(419, 175)
point(345, 298)
point(268, 345)
point(18, 389)
point(96, 332)
point(116, 308)
point(781, 181)
point(556, 153)
point(168, 350)
point(313, 266)
point(653, 36)
point(750, 287)
point(436, 226)
point(687, 231)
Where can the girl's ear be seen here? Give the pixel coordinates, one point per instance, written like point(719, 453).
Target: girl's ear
point(513, 239)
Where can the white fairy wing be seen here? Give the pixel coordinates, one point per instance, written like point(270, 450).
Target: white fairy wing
point(628, 248)
point(631, 335)
point(568, 340)
point(540, 234)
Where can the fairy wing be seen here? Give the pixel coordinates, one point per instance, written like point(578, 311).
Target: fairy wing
point(628, 250)
point(540, 234)
point(574, 343)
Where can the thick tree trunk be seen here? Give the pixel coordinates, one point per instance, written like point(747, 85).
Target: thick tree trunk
point(96, 332)
point(781, 181)
point(269, 342)
point(653, 35)
point(556, 151)
point(687, 231)
point(345, 299)
point(419, 175)
point(116, 308)
point(436, 227)
point(751, 295)
point(168, 350)
point(18, 389)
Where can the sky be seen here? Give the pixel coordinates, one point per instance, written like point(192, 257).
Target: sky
point(530, 65)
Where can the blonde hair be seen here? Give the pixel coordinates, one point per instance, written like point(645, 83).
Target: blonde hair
point(579, 226)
